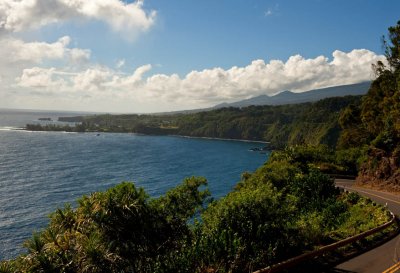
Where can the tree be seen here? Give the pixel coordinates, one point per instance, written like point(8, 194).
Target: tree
point(381, 106)
point(392, 46)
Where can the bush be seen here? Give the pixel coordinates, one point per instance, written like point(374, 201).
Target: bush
point(312, 189)
point(246, 229)
point(119, 230)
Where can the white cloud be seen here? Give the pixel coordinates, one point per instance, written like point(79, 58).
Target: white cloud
point(129, 82)
point(24, 69)
point(52, 68)
point(37, 77)
point(38, 52)
point(129, 18)
point(91, 80)
point(78, 55)
point(17, 55)
point(210, 86)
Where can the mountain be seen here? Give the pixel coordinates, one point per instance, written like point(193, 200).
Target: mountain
point(288, 97)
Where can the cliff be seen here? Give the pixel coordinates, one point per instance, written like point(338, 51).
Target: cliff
point(380, 171)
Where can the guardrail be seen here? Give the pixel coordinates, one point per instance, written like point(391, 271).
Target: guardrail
point(342, 176)
point(306, 256)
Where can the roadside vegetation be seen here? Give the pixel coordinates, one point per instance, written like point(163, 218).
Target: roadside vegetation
point(374, 125)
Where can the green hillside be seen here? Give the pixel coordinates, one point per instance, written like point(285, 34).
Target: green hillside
point(307, 123)
point(376, 122)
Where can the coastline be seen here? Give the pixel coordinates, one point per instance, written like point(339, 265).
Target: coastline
point(10, 128)
point(224, 139)
point(181, 136)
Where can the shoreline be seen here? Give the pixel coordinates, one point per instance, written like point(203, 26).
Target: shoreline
point(9, 128)
point(224, 139)
point(181, 136)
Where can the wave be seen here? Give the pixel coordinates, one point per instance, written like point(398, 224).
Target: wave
point(9, 128)
point(21, 129)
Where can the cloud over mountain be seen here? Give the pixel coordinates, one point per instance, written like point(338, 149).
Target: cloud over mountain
point(210, 86)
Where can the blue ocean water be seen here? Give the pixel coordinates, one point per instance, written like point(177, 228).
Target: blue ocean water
point(41, 171)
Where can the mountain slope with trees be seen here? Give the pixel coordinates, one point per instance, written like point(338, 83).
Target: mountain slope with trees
point(375, 123)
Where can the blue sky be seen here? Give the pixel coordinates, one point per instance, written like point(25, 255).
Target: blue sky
point(204, 34)
point(170, 55)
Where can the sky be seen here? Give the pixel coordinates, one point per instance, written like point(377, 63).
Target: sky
point(156, 55)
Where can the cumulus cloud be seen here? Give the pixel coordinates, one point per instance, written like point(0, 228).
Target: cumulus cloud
point(211, 86)
point(53, 68)
point(39, 78)
point(19, 15)
point(25, 64)
point(91, 80)
point(37, 52)
point(17, 55)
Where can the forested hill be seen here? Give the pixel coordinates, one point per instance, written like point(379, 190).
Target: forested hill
point(306, 123)
point(376, 122)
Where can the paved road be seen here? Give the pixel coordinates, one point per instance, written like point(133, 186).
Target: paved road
point(384, 258)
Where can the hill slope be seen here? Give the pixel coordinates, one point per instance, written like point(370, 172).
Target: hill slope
point(288, 97)
point(306, 123)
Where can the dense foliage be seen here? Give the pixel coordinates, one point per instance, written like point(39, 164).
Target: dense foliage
point(120, 230)
point(376, 120)
point(373, 125)
point(308, 123)
point(286, 207)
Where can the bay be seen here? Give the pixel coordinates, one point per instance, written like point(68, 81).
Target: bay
point(41, 171)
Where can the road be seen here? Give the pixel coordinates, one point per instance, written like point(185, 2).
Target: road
point(385, 258)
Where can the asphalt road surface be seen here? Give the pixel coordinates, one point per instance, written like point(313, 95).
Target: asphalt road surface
point(385, 258)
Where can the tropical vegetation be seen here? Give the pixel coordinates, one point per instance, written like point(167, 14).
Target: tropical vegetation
point(374, 124)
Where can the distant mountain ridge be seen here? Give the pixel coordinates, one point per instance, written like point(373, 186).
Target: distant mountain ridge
point(288, 97)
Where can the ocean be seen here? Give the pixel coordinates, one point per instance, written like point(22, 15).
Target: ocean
point(41, 171)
